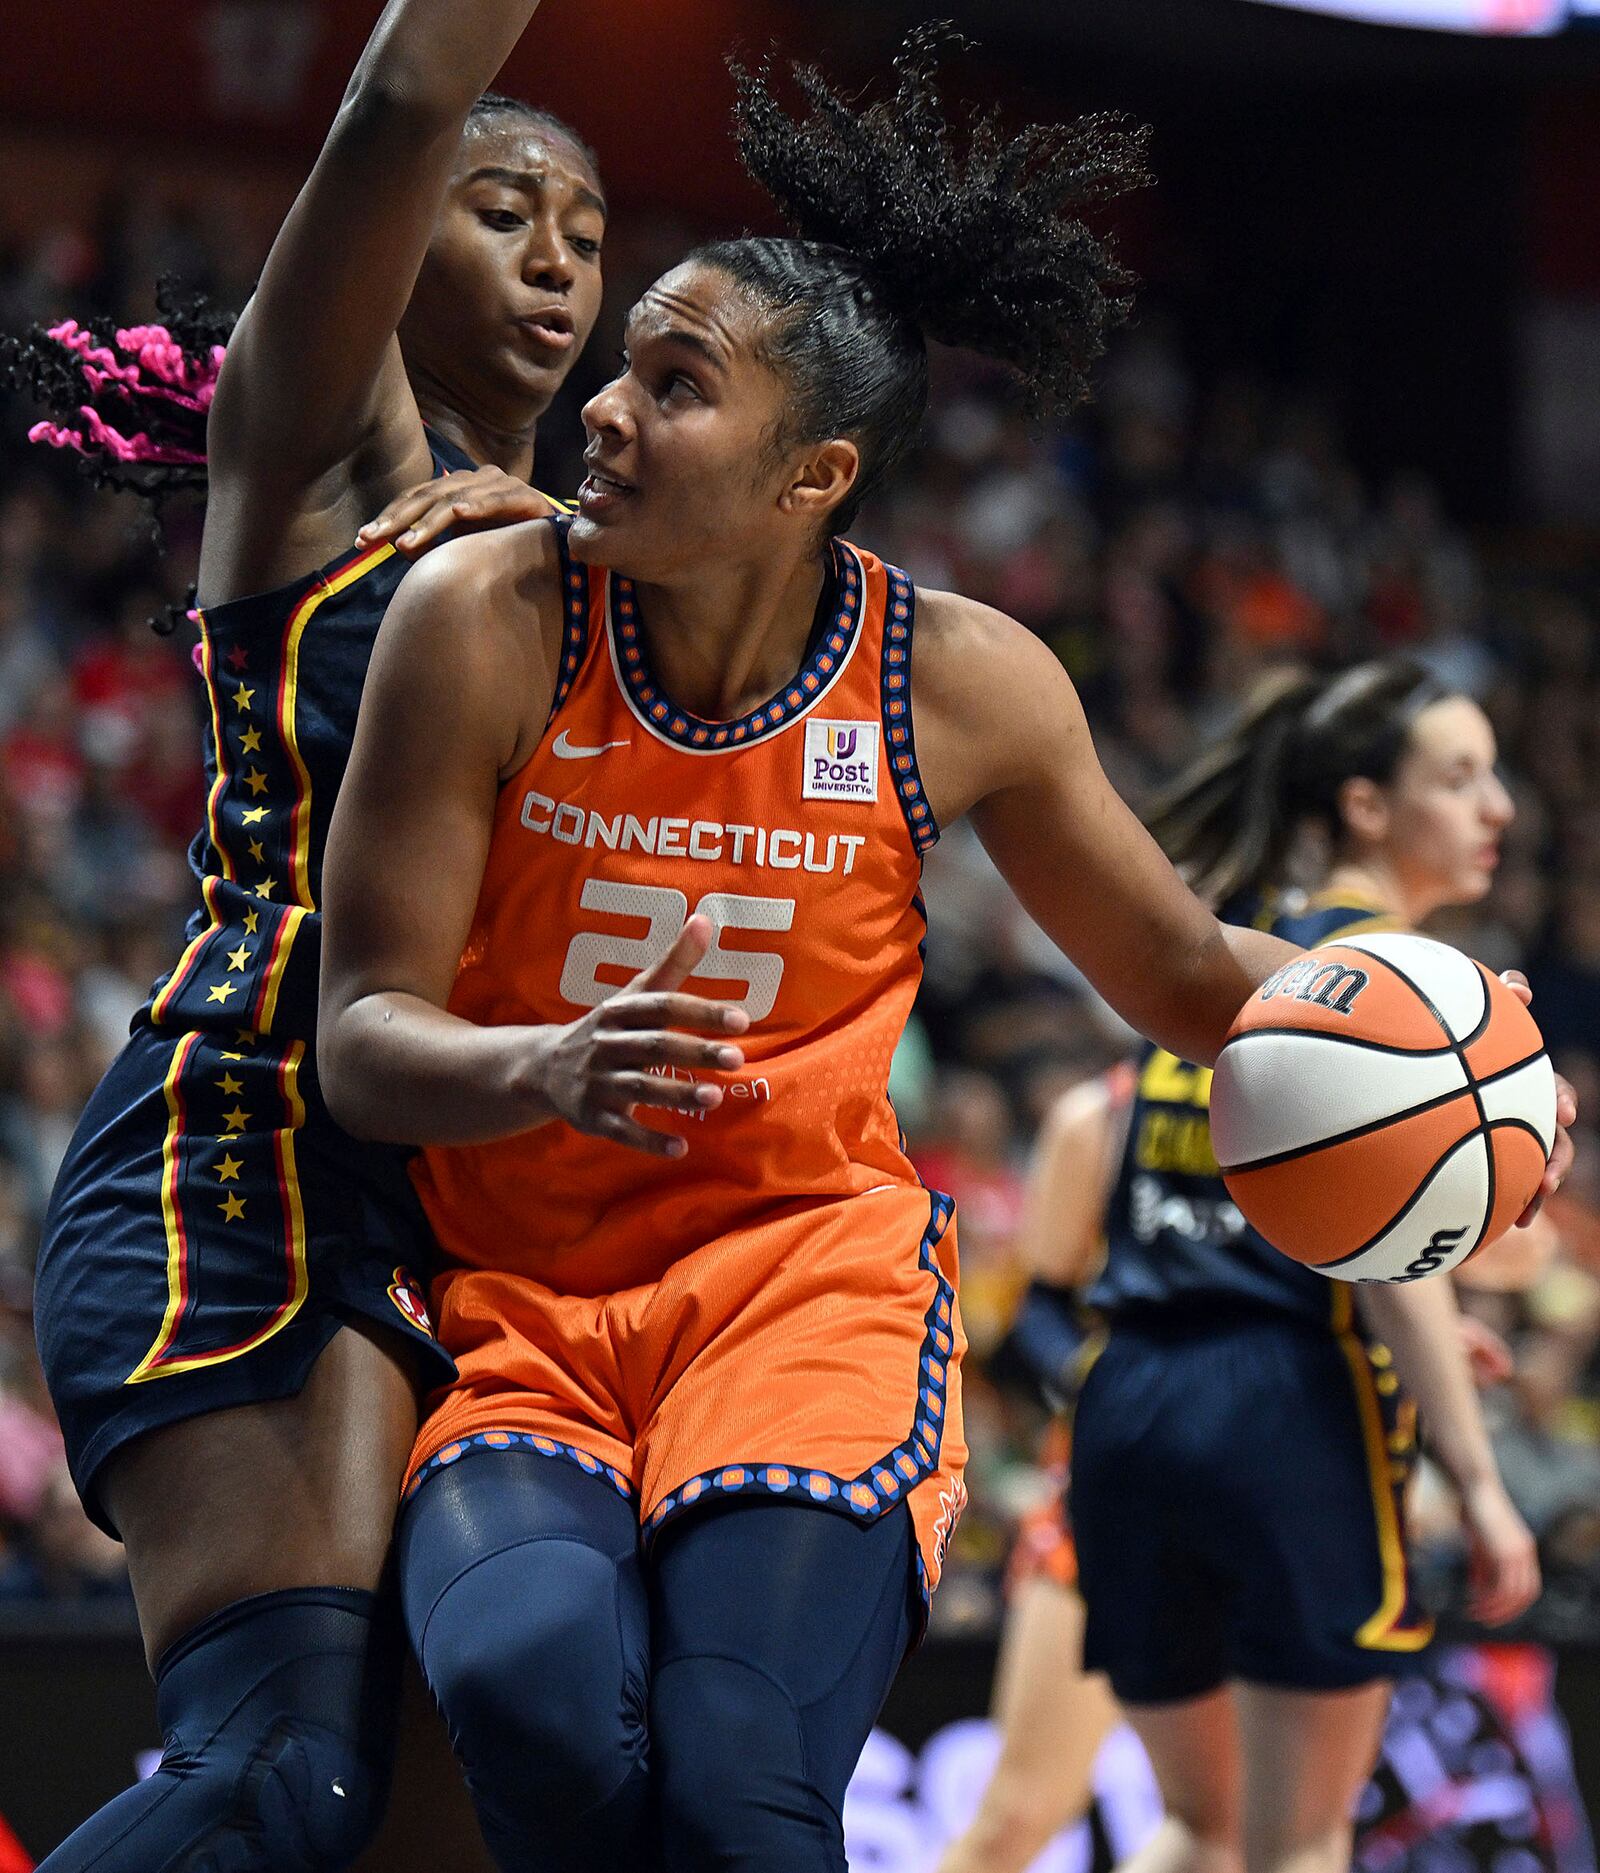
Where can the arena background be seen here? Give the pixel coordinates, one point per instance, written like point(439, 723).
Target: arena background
point(1356, 413)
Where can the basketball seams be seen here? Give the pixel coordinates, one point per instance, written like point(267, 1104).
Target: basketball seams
point(1452, 997)
point(1343, 1040)
point(1480, 975)
point(1460, 1050)
point(1411, 1202)
point(1272, 1159)
point(1513, 1124)
point(1416, 988)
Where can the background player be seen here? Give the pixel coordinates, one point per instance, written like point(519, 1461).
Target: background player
point(226, 1305)
point(737, 1326)
point(1241, 1446)
point(1052, 1715)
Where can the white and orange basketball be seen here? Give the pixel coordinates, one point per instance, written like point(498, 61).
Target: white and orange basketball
point(1382, 1108)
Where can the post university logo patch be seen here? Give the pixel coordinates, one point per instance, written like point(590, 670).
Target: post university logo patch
point(841, 761)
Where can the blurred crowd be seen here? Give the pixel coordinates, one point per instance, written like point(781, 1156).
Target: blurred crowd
point(1168, 543)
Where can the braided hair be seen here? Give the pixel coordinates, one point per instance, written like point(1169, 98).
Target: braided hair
point(904, 232)
point(1230, 821)
point(132, 404)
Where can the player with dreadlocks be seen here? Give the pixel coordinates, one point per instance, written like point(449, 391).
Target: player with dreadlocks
point(630, 954)
point(228, 1300)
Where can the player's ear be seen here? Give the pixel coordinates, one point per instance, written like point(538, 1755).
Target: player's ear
point(821, 479)
point(1363, 809)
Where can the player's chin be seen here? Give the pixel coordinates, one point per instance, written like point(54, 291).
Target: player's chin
point(532, 381)
point(1473, 882)
point(597, 539)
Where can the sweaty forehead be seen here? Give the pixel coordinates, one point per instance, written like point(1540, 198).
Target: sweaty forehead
point(699, 304)
point(523, 146)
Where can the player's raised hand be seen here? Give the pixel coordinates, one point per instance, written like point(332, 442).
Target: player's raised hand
point(467, 501)
point(642, 1047)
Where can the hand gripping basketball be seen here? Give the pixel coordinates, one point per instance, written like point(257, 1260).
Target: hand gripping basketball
point(642, 1048)
point(1383, 1107)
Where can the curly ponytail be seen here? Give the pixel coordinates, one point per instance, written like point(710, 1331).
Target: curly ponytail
point(904, 233)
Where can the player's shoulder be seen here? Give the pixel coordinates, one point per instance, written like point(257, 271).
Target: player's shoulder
point(496, 571)
point(949, 623)
point(1329, 915)
point(978, 659)
point(481, 614)
point(992, 705)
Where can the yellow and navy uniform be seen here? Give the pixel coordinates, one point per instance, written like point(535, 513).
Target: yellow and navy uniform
point(210, 1225)
point(1242, 1449)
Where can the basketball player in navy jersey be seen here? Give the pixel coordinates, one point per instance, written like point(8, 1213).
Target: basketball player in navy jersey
point(1242, 1446)
point(229, 1300)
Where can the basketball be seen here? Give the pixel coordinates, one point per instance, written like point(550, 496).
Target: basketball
point(1383, 1107)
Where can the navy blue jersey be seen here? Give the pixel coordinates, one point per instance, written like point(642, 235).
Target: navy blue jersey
point(284, 672)
point(1174, 1237)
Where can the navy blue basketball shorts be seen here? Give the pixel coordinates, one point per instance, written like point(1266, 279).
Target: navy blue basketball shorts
point(210, 1230)
point(1238, 1489)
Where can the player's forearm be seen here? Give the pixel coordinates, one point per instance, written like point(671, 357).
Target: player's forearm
point(397, 1070)
point(1420, 1324)
point(1223, 975)
point(432, 59)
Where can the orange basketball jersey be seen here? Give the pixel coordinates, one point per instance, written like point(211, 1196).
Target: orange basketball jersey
point(776, 1309)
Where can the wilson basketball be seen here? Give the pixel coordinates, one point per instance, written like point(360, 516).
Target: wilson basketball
point(1382, 1108)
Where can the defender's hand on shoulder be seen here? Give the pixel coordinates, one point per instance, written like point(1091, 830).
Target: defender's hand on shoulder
point(468, 501)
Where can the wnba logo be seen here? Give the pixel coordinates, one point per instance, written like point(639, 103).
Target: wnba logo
point(841, 743)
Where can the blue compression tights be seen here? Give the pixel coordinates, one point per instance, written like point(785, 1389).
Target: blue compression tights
point(704, 1709)
point(278, 1718)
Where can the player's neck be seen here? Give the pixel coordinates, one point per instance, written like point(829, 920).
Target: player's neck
point(1371, 881)
point(490, 444)
point(724, 641)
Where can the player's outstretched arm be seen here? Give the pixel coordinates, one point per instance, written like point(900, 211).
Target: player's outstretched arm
point(455, 699)
point(314, 360)
point(1001, 734)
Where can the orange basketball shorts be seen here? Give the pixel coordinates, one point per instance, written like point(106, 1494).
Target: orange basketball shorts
point(815, 1356)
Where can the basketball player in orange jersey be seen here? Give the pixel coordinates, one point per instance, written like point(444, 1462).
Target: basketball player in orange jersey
point(233, 1333)
point(624, 925)
point(1251, 1617)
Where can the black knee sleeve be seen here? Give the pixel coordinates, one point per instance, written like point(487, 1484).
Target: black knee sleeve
point(277, 1719)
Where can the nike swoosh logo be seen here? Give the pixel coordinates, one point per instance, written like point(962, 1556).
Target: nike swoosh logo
point(570, 750)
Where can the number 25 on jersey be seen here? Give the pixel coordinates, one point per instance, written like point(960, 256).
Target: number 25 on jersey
point(666, 912)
